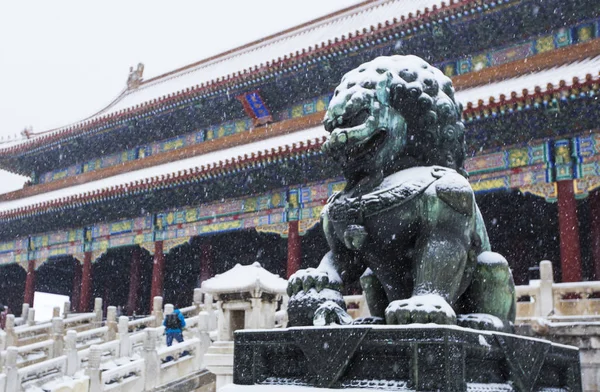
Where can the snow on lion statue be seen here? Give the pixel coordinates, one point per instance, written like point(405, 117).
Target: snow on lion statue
point(406, 224)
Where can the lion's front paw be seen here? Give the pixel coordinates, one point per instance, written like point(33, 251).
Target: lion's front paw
point(329, 313)
point(306, 279)
point(483, 321)
point(428, 308)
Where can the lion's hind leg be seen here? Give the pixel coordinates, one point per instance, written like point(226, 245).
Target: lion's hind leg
point(491, 293)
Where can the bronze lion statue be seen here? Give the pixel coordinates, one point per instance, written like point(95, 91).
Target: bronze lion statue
point(407, 224)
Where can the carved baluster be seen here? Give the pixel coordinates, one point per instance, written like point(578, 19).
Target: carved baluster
point(151, 358)
point(93, 370)
point(124, 340)
point(71, 352)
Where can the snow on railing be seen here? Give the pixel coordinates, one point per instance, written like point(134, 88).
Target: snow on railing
point(81, 321)
point(110, 355)
point(546, 299)
point(109, 350)
point(141, 323)
point(53, 366)
point(91, 336)
point(130, 375)
point(35, 353)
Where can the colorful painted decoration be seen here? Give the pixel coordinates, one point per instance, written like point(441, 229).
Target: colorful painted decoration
point(255, 107)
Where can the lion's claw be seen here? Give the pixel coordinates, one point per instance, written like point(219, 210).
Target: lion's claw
point(304, 280)
point(428, 308)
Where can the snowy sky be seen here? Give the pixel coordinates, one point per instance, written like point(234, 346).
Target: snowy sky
point(63, 60)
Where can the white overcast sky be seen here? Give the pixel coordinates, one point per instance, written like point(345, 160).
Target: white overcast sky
point(61, 61)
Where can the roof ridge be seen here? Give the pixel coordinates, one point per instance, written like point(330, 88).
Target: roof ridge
point(217, 82)
point(263, 41)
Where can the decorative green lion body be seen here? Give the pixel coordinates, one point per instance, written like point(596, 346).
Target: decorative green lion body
point(406, 224)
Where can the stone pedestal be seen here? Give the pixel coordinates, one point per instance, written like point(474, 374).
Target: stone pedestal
point(413, 357)
point(247, 297)
point(219, 361)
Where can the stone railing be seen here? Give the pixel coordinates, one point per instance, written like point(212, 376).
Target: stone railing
point(122, 354)
point(28, 332)
point(545, 299)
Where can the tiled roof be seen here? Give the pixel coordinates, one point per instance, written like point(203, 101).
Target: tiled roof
point(532, 83)
point(275, 52)
point(547, 82)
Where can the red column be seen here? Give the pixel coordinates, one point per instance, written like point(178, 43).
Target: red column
point(206, 260)
point(86, 283)
point(157, 271)
point(30, 283)
point(570, 252)
point(76, 292)
point(134, 281)
point(594, 202)
point(294, 248)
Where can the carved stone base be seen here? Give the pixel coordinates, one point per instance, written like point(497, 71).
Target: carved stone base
point(422, 358)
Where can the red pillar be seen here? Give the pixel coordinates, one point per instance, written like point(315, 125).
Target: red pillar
point(294, 258)
point(570, 252)
point(206, 260)
point(594, 202)
point(134, 281)
point(76, 292)
point(157, 271)
point(86, 283)
point(30, 283)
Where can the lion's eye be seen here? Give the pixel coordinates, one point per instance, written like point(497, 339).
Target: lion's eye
point(357, 119)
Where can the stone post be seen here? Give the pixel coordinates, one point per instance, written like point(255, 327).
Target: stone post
point(223, 322)
point(9, 328)
point(25, 312)
point(93, 370)
point(67, 309)
point(254, 321)
point(31, 317)
point(71, 352)
point(55, 312)
point(124, 340)
point(11, 370)
point(98, 311)
point(157, 304)
point(151, 359)
point(111, 322)
point(546, 298)
point(58, 331)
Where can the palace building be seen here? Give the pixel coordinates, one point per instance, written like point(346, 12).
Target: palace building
point(188, 173)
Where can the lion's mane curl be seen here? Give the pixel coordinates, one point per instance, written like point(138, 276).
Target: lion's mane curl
point(424, 96)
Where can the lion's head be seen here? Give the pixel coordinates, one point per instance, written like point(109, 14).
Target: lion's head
point(393, 113)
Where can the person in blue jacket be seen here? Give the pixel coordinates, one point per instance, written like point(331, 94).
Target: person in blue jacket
point(174, 324)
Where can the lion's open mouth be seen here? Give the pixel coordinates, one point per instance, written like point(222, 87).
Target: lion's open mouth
point(367, 150)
